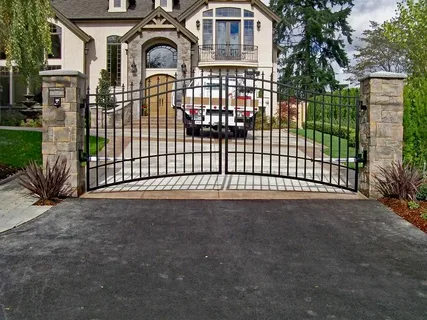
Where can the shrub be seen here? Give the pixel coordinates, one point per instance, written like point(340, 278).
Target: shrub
point(422, 192)
point(399, 181)
point(11, 118)
point(104, 99)
point(287, 111)
point(423, 215)
point(335, 130)
point(48, 184)
point(33, 123)
point(413, 205)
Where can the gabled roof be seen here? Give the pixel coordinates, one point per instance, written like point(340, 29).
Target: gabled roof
point(196, 6)
point(159, 12)
point(98, 9)
point(71, 26)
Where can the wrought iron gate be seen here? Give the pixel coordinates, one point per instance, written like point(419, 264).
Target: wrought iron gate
point(225, 122)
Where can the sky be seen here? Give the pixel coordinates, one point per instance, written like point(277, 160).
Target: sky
point(363, 12)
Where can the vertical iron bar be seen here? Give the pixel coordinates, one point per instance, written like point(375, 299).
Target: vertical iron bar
point(220, 123)
point(184, 120)
point(226, 129)
point(288, 129)
point(271, 122)
point(194, 122)
point(149, 124)
point(203, 114)
point(236, 128)
point(323, 136)
point(167, 120)
point(131, 129)
point(262, 123)
point(87, 123)
point(141, 110)
point(158, 125)
point(330, 139)
point(314, 136)
point(253, 129)
point(339, 137)
point(245, 120)
point(123, 133)
point(114, 130)
point(97, 135)
point(279, 101)
point(210, 115)
point(356, 147)
point(297, 136)
point(348, 136)
point(176, 117)
point(103, 99)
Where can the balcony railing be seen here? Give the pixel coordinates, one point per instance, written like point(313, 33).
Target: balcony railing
point(228, 52)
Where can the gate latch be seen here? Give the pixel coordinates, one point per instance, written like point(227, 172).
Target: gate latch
point(362, 157)
point(83, 157)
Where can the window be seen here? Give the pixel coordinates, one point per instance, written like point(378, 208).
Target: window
point(163, 3)
point(248, 36)
point(208, 13)
point(248, 14)
point(207, 32)
point(56, 36)
point(117, 3)
point(162, 57)
point(228, 12)
point(114, 60)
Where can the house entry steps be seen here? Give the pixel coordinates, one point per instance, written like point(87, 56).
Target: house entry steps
point(215, 125)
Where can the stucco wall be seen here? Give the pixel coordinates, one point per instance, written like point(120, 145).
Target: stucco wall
point(97, 56)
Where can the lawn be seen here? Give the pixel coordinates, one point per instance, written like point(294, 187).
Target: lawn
point(331, 150)
point(19, 147)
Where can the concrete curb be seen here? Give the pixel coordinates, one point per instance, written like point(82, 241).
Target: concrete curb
point(10, 178)
point(221, 195)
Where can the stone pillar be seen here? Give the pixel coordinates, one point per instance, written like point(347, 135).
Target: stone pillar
point(381, 125)
point(63, 126)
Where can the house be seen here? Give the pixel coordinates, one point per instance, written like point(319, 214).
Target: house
point(154, 40)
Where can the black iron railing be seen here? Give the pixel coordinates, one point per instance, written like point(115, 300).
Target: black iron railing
point(228, 52)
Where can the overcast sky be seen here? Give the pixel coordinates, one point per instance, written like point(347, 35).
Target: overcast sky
point(363, 12)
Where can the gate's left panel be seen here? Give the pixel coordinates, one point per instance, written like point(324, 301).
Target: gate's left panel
point(144, 132)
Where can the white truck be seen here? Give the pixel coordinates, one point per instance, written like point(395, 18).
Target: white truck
point(205, 101)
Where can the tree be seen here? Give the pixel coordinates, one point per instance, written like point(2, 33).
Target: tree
point(377, 53)
point(408, 31)
point(312, 32)
point(25, 34)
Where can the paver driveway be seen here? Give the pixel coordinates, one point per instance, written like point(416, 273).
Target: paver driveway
point(130, 259)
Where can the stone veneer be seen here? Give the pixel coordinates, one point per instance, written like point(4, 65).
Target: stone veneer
point(381, 125)
point(63, 127)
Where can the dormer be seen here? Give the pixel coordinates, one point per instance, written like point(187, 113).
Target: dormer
point(166, 5)
point(118, 5)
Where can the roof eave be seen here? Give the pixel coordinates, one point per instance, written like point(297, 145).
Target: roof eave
point(70, 25)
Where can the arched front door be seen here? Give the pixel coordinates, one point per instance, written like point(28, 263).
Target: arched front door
point(159, 95)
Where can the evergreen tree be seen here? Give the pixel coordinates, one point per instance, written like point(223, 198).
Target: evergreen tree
point(312, 33)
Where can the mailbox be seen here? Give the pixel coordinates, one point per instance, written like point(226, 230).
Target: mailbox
point(56, 94)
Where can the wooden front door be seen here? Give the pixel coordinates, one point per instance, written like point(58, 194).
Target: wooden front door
point(159, 97)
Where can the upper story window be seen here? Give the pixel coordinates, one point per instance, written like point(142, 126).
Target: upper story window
point(114, 60)
point(162, 57)
point(228, 12)
point(248, 14)
point(117, 3)
point(56, 37)
point(208, 13)
point(229, 32)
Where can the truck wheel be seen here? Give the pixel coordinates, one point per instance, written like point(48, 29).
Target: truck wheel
point(193, 131)
point(242, 133)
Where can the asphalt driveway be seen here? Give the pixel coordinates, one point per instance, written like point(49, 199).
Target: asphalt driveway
point(148, 259)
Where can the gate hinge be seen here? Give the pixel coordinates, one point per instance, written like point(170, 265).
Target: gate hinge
point(362, 157)
point(83, 157)
point(363, 106)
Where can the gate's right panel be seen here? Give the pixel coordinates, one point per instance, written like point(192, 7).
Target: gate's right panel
point(298, 134)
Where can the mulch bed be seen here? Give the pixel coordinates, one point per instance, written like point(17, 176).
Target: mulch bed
point(411, 215)
point(53, 202)
point(6, 171)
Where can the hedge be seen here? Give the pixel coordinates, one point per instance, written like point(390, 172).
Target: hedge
point(345, 133)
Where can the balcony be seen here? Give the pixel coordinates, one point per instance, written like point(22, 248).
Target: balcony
point(228, 54)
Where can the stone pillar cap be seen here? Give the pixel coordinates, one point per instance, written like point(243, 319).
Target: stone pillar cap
point(61, 72)
point(384, 75)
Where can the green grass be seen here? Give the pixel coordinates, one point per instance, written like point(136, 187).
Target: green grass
point(333, 150)
point(17, 148)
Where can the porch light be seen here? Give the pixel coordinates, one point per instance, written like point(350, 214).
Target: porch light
point(198, 24)
point(133, 69)
point(258, 25)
